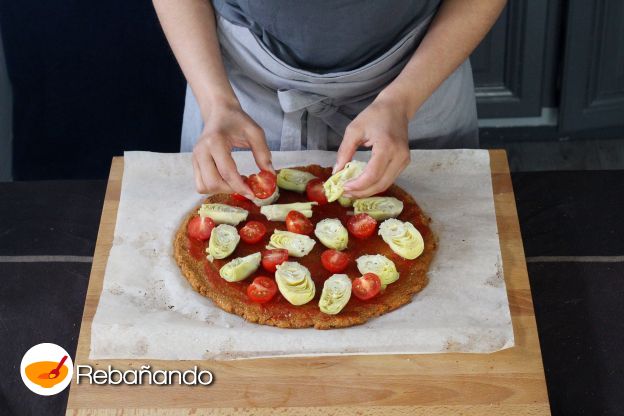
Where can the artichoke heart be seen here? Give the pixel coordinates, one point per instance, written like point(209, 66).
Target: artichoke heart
point(298, 245)
point(334, 185)
point(345, 202)
point(336, 293)
point(223, 214)
point(240, 268)
point(266, 201)
point(332, 233)
point(380, 265)
point(379, 207)
point(293, 179)
point(402, 237)
point(223, 240)
point(295, 283)
point(278, 212)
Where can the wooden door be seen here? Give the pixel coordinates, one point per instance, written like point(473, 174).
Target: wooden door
point(508, 64)
point(592, 94)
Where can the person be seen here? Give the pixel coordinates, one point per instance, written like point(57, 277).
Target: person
point(325, 74)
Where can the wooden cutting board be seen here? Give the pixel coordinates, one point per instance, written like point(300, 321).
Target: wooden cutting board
point(509, 382)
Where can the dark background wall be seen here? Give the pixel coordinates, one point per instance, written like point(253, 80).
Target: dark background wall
point(90, 79)
point(6, 115)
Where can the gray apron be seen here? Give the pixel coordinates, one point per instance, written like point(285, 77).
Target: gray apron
point(299, 109)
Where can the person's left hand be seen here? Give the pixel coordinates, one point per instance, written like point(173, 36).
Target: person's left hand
point(382, 126)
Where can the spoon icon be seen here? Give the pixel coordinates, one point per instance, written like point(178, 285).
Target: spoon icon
point(54, 373)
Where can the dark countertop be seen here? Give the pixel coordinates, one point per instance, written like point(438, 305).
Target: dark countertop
point(572, 228)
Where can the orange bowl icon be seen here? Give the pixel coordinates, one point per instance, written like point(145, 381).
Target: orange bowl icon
point(41, 373)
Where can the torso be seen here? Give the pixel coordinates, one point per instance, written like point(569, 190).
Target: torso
point(327, 35)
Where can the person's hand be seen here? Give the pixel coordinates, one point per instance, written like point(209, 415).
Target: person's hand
point(215, 170)
point(382, 126)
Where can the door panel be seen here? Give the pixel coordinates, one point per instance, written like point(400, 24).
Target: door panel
point(593, 76)
point(508, 64)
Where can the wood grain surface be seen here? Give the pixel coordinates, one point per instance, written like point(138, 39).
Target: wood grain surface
point(509, 382)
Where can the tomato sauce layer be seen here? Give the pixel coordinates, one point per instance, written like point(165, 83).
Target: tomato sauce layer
point(356, 248)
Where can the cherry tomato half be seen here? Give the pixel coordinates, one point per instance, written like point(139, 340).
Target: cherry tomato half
point(315, 191)
point(252, 232)
point(366, 287)
point(200, 228)
point(262, 289)
point(361, 225)
point(335, 261)
point(262, 184)
point(298, 223)
point(272, 258)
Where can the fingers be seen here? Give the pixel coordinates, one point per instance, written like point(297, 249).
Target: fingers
point(350, 142)
point(213, 184)
point(208, 179)
point(199, 183)
point(215, 169)
point(222, 156)
point(365, 184)
point(381, 171)
point(259, 148)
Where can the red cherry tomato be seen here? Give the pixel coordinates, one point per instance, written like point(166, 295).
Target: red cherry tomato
point(315, 191)
point(200, 228)
point(367, 286)
point(252, 232)
point(361, 225)
point(262, 184)
point(273, 258)
point(335, 261)
point(298, 223)
point(262, 289)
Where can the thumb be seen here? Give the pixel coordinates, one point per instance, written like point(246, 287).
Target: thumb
point(350, 142)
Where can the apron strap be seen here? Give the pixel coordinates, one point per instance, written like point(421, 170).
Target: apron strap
point(322, 113)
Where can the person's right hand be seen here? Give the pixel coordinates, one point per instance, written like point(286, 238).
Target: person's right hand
point(215, 170)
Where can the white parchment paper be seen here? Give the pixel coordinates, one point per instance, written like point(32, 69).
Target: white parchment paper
point(147, 309)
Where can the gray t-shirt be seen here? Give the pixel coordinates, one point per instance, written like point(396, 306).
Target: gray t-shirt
point(327, 35)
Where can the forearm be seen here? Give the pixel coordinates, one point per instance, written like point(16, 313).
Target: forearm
point(454, 33)
point(190, 28)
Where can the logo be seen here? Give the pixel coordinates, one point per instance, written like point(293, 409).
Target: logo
point(47, 369)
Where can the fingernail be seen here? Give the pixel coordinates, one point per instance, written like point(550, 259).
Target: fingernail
point(334, 169)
